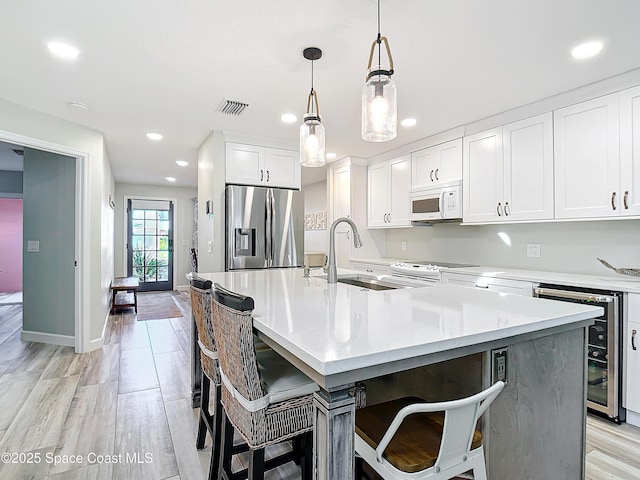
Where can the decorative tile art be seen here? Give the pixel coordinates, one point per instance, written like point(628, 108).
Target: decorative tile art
point(315, 221)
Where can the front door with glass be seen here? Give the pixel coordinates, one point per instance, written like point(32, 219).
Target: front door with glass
point(150, 243)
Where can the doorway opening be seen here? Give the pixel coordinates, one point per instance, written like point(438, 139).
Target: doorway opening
point(150, 228)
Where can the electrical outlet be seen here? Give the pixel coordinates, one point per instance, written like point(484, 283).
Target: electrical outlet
point(499, 365)
point(533, 250)
point(33, 246)
point(404, 246)
point(185, 243)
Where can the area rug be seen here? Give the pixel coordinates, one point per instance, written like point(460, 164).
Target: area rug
point(157, 305)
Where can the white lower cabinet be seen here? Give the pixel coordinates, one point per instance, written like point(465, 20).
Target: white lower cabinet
point(632, 359)
point(493, 284)
point(373, 268)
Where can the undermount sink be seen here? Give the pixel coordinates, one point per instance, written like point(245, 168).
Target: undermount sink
point(371, 282)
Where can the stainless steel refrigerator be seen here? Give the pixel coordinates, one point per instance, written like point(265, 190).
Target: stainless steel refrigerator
point(264, 227)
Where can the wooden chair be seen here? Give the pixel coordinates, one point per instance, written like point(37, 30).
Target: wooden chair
point(265, 398)
point(408, 439)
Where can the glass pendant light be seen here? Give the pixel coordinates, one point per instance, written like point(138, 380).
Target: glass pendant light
point(379, 102)
point(312, 131)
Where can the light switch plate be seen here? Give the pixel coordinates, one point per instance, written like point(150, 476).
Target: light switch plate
point(33, 246)
point(185, 243)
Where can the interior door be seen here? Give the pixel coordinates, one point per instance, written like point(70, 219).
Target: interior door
point(150, 243)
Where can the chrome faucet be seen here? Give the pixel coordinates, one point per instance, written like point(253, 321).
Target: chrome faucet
point(332, 274)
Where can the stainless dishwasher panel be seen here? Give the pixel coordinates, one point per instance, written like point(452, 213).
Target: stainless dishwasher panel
point(604, 352)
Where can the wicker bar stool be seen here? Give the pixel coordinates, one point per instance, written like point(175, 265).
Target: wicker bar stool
point(266, 399)
point(201, 306)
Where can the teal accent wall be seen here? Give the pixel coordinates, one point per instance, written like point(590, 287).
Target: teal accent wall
point(49, 217)
point(10, 184)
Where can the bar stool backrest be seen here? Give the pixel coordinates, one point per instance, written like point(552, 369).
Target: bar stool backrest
point(201, 307)
point(233, 330)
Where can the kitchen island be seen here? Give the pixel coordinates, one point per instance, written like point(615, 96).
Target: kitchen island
point(437, 340)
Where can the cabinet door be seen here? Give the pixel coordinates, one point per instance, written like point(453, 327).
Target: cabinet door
point(281, 168)
point(244, 164)
point(341, 195)
point(424, 163)
point(482, 173)
point(378, 194)
point(400, 180)
point(630, 151)
point(586, 154)
point(632, 371)
point(528, 169)
point(449, 167)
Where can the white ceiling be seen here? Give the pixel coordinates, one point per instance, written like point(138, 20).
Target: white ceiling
point(165, 65)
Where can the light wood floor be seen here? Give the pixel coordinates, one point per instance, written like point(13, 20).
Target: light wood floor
point(128, 407)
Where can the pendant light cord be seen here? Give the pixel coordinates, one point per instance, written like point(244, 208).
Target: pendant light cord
point(379, 39)
point(312, 93)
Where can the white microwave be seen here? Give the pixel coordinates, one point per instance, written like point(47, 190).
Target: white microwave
point(436, 204)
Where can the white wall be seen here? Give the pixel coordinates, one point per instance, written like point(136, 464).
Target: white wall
point(18, 120)
point(315, 200)
point(570, 247)
point(183, 222)
point(211, 182)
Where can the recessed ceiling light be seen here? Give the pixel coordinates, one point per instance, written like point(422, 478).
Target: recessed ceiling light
point(63, 50)
point(82, 106)
point(409, 122)
point(170, 179)
point(330, 156)
point(586, 50)
point(289, 118)
point(154, 136)
point(182, 163)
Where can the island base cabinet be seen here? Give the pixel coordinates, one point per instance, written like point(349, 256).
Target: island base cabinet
point(333, 436)
point(537, 425)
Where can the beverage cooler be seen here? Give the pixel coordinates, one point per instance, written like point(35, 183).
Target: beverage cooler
point(604, 347)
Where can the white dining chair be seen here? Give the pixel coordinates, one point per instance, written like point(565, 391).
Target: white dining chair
point(409, 439)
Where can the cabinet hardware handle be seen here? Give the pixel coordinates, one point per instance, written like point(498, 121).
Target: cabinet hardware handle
point(389, 217)
point(499, 209)
point(368, 270)
point(267, 175)
point(482, 286)
point(506, 208)
point(437, 174)
point(384, 218)
point(625, 198)
point(347, 234)
point(261, 175)
point(633, 339)
point(431, 175)
point(613, 201)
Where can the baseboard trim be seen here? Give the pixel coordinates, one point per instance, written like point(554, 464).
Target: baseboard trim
point(97, 343)
point(52, 338)
point(633, 418)
point(182, 288)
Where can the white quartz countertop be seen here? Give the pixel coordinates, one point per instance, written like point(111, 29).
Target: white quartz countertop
point(339, 328)
point(621, 283)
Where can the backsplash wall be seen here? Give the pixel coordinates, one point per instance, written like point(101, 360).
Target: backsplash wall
point(570, 247)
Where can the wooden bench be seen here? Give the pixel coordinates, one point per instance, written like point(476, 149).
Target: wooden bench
point(124, 293)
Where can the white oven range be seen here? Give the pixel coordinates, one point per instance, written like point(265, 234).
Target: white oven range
point(426, 271)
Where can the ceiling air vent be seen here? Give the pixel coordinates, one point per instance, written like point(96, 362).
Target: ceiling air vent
point(231, 107)
point(18, 152)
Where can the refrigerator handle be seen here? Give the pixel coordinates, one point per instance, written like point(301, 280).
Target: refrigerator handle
point(268, 230)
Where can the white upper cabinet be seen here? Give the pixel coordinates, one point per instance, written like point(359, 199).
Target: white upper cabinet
point(630, 151)
point(482, 173)
point(508, 172)
point(388, 193)
point(528, 169)
point(264, 166)
point(587, 159)
point(437, 165)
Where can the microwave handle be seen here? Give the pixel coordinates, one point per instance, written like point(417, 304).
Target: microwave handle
point(441, 203)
